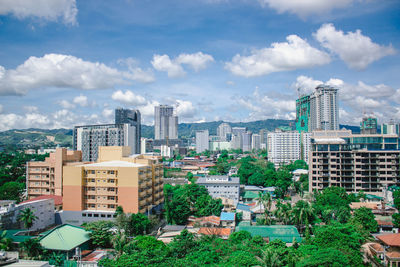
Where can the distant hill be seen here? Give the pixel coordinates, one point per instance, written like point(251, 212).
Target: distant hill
point(36, 138)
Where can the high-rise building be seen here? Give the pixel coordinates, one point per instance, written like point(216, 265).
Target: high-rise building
point(324, 111)
point(202, 141)
point(264, 135)
point(224, 131)
point(286, 147)
point(255, 142)
point(46, 177)
point(390, 128)
point(246, 141)
point(93, 191)
point(369, 125)
point(132, 117)
point(237, 137)
point(367, 162)
point(303, 113)
point(165, 123)
point(89, 138)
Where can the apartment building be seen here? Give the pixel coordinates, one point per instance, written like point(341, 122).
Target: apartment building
point(368, 162)
point(93, 191)
point(221, 186)
point(46, 177)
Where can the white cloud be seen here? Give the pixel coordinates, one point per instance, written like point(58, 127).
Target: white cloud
point(50, 10)
point(173, 67)
point(197, 61)
point(31, 109)
point(129, 98)
point(136, 73)
point(354, 48)
point(55, 70)
point(108, 113)
point(66, 105)
point(81, 100)
point(164, 63)
point(305, 84)
point(1, 108)
point(304, 8)
point(185, 109)
point(294, 54)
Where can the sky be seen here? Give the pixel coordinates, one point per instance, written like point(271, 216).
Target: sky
point(72, 62)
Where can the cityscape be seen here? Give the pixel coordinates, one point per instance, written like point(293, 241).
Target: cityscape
point(199, 133)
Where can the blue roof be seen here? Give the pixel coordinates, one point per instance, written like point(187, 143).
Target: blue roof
point(244, 207)
point(227, 216)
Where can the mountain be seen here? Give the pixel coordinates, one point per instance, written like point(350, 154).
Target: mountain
point(36, 138)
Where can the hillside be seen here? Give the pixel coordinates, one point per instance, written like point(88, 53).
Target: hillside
point(36, 138)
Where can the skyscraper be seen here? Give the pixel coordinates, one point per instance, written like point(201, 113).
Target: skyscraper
point(165, 123)
point(132, 117)
point(202, 141)
point(369, 125)
point(324, 111)
point(302, 113)
point(246, 141)
point(223, 130)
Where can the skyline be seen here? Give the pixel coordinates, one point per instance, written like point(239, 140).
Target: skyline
point(72, 63)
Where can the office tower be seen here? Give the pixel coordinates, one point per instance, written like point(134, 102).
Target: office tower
point(132, 117)
point(286, 147)
point(367, 162)
point(255, 142)
point(324, 111)
point(246, 141)
point(390, 128)
point(224, 131)
point(165, 123)
point(369, 125)
point(89, 138)
point(93, 191)
point(302, 113)
point(45, 177)
point(202, 141)
point(263, 135)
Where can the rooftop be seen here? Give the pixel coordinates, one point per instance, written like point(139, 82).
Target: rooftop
point(244, 207)
point(286, 233)
point(114, 163)
point(17, 236)
point(215, 179)
point(215, 231)
point(390, 239)
point(227, 216)
point(64, 237)
point(57, 199)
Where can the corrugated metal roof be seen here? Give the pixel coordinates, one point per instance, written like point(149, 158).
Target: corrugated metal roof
point(15, 235)
point(286, 233)
point(227, 216)
point(64, 238)
point(244, 207)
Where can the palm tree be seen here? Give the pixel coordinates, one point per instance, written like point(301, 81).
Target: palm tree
point(5, 243)
point(119, 241)
point(270, 258)
point(32, 248)
point(27, 217)
point(283, 212)
point(303, 213)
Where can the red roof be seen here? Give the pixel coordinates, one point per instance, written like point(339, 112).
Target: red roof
point(57, 199)
point(215, 231)
point(384, 223)
point(390, 239)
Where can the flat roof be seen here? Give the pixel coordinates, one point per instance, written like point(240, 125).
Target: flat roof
point(114, 163)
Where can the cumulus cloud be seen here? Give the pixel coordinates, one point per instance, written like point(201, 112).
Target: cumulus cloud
point(354, 48)
point(51, 10)
point(81, 100)
point(173, 67)
point(128, 97)
point(136, 73)
point(65, 104)
point(107, 113)
point(294, 54)
point(185, 109)
point(55, 70)
point(304, 8)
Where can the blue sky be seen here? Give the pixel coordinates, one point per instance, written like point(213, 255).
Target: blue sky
point(66, 62)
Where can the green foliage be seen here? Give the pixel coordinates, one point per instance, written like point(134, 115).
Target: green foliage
point(27, 217)
point(182, 244)
point(5, 243)
point(366, 219)
point(100, 233)
point(330, 203)
point(32, 248)
point(396, 199)
point(138, 224)
point(239, 237)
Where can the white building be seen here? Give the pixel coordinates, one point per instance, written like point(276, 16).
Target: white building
point(286, 147)
point(324, 110)
point(165, 123)
point(237, 137)
point(221, 186)
point(256, 141)
point(223, 130)
point(166, 151)
point(246, 141)
point(202, 143)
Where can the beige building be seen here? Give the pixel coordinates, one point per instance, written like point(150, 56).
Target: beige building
point(116, 179)
point(367, 162)
point(45, 177)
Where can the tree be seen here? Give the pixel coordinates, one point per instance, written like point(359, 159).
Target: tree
point(100, 233)
point(182, 244)
point(5, 243)
point(138, 224)
point(304, 214)
point(11, 191)
point(256, 179)
point(366, 218)
point(239, 237)
point(32, 248)
point(27, 217)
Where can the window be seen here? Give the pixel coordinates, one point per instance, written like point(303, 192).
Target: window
point(95, 215)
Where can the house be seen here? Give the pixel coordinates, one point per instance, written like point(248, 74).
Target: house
point(208, 221)
point(224, 233)
point(245, 210)
point(387, 249)
point(58, 200)
point(228, 219)
point(18, 236)
point(66, 238)
point(286, 233)
point(298, 173)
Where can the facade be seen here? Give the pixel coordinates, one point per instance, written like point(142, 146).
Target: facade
point(355, 162)
point(246, 141)
point(46, 177)
point(89, 138)
point(220, 145)
point(237, 137)
point(263, 135)
point(202, 143)
point(221, 186)
point(224, 130)
point(302, 113)
point(256, 142)
point(390, 128)
point(93, 191)
point(146, 145)
point(286, 147)
point(324, 111)
point(369, 125)
point(165, 123)
point(132, 117)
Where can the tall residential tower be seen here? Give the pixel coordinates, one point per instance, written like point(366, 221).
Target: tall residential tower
point(165, 123)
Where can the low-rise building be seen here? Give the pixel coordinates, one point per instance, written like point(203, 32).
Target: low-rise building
point(221, 186)
point(227, 219)
point(286, 233)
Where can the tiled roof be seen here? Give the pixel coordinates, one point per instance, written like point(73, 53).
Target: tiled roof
point(369, 205)
point(227, 216)
point(390, 239)
point(393, 254)
point(384, 223)
point(58, 200)
point(377, 247)
point(215, 231)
